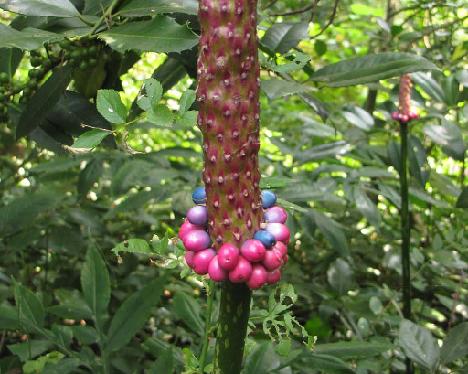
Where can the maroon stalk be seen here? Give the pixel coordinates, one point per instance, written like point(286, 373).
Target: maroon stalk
point(228, 96)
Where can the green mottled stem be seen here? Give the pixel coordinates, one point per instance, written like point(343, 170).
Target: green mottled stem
point(232, 328)
point(206, 336)
point(405, 230)
point(228, 96)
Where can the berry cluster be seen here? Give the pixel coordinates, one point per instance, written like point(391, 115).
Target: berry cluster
point(404, 118)
point(258, 260)
point(404, 114)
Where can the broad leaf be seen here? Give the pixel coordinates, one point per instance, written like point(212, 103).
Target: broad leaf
point(353, 349)
point(359, 118)
point(51, 8)
point(43, 101)
point(28, 38)
point(275, 88)
point(340, 276)
point(89, 175)
point(371, 68)
point(133, 246)
point(418, 344)
point(133, 313)
point(161, 34)
point(367, 207)
point(110, 105)
point(90, 139)
point(153, 93)
point(281, 37)
point(164, 363)
point(332, 231)
point(449, 136)
point(29, 307)
point(262, 360)
point(462, 201)
point(138, 8)
point(95, 283)
point(187, 309)
point(455, 344)
point(9, 60)
point(30, 349)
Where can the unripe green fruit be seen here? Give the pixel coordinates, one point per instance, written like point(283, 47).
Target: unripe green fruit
point(4, 78)
point(75, 54)
point(84, 65)
point(65, 44)
point(93, 50)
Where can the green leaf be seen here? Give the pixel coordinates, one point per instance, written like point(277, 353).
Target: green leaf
point(320, 47)
point(161, 34)
point(281, 37)
point(43, 101)
point(8, 318)
point(64, 366)
point(186, 101)
point(359, 118)
point(323, 150)
point(429, 85)
point(417, 161)
point(30, 349)
point(94, 7)
point(164, 363)
point(367, 207)
point(340, 276)
point(137, 8)
point(353, 349)
point(133, 313)
point(275, 88)
point(325, 363)
point(154, 91)
point(332, 231)
point(51, 8)
point(371, 68)
point(110, 105)
point(95, 283)
point(189, 311)
point(262, 360)
point(366, 10)
point(161, 115)
point(449, 136)
point(90, 139)
point(462, 201)
point(28, 38)
point(30, 310)
point(455, 344)
point(9, 60)
point(418, 344)
point(89, 175)
point(133, 246)
point(375, 305)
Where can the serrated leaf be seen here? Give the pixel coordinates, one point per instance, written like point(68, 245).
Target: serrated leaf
point(281, 37)
point(31, 314)
point(133, 313)
point(153, 93)
point(418, 344)
point(137, 8)
point(26, 39)
point(90, 139)
point(161, 115)
point(41, 103)
point(110, 106)
point(275, 88)
point(371, 68)
point(186, 101)
point(133, 246)
point(161, 34)
point(95, 283)
point(45, 8)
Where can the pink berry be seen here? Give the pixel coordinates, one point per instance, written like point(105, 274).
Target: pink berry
point(276, 214)
point(202, 261)
point(404, 118)
point(396, 116)
point(273, 259)
point(241, 273)
point(285, 259)
point(258, 277)
point(253, 250)
point(198, 215)
point(215, 271)
point(186, 227)
point(228, 256)
point(196, 240)
point(274, 276)
point(413, 115)
point(189, 255)
point(279, 231)
point(281, 247)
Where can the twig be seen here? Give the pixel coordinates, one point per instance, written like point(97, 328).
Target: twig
point(330, 21)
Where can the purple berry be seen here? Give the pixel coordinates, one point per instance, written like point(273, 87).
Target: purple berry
point(241, 273)
point(275, 214)
point(267, 239)
point(196, 240)
point(201, 261)
point(228, 256)
point(199, 195)
point(198, 215)
point(274, 276)
point(189, 255)
point(215, 271)
point(253, 250)
point(281, 247)
point(273, 259)
point(279, 231)
point(187, 227)
point(258, 277)
point(268, 199)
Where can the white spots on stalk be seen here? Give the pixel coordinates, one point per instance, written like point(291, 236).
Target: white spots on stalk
point(220, 179)
point(220, 61)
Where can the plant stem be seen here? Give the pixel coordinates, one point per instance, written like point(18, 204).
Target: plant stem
point(405, 229)
point(232, 328)
point(206, 336)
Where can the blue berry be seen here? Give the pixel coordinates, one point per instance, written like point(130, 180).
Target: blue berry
point(199, 195)
point(268, 199)
point(267, 239)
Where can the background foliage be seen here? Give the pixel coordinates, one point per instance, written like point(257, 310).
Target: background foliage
point(99, 151)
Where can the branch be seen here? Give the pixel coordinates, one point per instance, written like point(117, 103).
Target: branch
point(330, 21)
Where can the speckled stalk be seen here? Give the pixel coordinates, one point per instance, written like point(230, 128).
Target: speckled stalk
point(405, 94)
point(228, 96)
